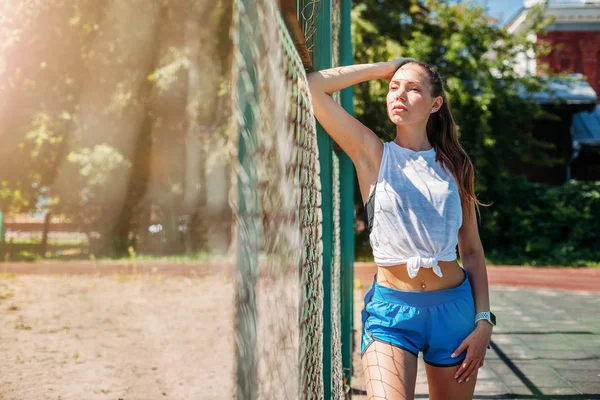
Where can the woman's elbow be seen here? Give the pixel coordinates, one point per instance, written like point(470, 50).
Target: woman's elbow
point(315, 82)
point(472, 252)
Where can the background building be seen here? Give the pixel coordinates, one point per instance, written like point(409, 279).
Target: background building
point(574, 36)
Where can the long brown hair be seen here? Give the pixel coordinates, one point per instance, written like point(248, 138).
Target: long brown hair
point(443, 135)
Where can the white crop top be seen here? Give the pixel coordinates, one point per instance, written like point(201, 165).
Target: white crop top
point(414, 213)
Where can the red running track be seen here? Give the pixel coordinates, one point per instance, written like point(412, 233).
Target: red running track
point(563, 278)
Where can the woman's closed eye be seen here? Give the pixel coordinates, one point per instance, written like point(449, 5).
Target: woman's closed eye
point(414, 88)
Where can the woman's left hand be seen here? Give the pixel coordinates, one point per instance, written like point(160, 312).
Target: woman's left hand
point(476, 345)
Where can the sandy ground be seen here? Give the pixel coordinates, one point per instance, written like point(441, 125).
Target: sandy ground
point(115, 337)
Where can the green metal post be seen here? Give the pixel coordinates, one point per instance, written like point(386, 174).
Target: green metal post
point(249, 208)
point(347, 206)
point(322, 60)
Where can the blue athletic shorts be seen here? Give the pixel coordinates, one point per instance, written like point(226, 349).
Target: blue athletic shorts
point(433, 322)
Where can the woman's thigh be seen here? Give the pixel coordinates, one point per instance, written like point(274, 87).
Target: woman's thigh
point(443, 385)
point(390, 372)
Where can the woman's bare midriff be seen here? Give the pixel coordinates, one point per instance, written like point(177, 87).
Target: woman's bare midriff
point(426, 280)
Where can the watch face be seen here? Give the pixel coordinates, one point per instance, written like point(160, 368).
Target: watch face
point(493, 318)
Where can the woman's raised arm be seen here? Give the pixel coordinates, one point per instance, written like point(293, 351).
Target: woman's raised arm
point(359, 142)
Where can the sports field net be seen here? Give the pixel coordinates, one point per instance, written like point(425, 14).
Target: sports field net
point(279, 288)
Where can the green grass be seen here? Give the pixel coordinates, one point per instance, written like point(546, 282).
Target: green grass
point(181, 258)
point(52, 241)
point(200, 256)
point(573, 261)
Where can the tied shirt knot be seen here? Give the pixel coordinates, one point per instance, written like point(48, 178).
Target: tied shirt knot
point(414, 263)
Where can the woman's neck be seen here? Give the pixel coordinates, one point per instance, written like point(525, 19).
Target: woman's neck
point(412, 137)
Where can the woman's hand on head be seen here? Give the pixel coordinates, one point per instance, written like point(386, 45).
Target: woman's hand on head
point(393, 66)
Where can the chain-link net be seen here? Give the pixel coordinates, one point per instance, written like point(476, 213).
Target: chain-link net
point(336, 20)
point(311, 280)
point(280, 306)
point(308, 12)
point(337, 371)
point(279, 331)
point(269, 247)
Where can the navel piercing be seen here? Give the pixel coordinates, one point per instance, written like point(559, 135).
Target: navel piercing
point(423, 284)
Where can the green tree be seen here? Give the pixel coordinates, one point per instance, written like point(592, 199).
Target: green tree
point(476, 58)
point(109, 110)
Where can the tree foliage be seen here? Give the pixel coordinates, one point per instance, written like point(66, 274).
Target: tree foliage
point(107, 111)
point(475, 57)
point(489, 98)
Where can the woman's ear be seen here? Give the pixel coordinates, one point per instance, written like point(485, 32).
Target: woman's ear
point(437, 104)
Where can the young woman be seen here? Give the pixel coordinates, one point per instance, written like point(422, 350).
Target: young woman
point(420, 203)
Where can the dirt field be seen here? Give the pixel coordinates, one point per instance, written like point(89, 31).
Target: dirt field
point(127, 337)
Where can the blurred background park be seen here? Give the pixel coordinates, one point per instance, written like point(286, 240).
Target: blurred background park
point(109, 150)
point(171, 145)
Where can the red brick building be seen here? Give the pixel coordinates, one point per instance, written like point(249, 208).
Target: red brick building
point(574, 36)
point(575, 51)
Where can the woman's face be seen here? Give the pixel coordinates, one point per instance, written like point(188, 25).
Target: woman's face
point(409, 99)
